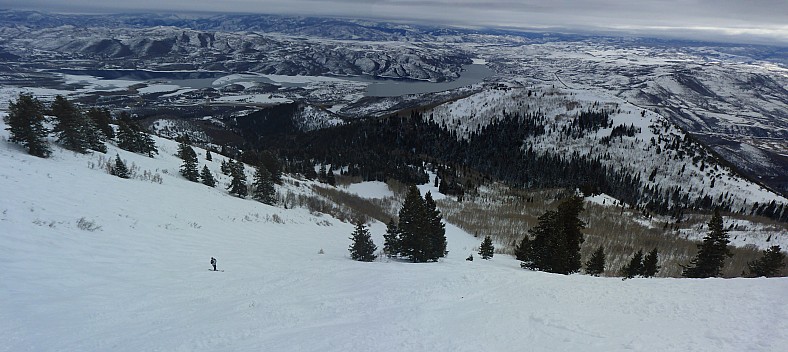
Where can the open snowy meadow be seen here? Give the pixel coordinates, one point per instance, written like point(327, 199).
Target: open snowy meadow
point(93, 262)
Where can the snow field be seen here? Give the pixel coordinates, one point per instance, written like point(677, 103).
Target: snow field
point(141, 282)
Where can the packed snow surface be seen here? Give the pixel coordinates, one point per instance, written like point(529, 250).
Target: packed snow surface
point(92, 262)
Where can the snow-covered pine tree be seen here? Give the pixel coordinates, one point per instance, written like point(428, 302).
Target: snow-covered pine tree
point(238, 183)
point(362, 248)
point(711, 252)
point(263, 187)
point(635, 266)
point(207, 177)
point(486, 249)
point(189, 166)
point(650, 266)
point(119, 169)
point(596, 264)
point(391, 239)
point(25, 122)
point(770, 264)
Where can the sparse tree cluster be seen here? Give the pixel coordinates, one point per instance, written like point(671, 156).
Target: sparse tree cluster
point(770, 264)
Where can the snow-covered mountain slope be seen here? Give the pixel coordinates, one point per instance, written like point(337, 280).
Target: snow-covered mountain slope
point(93, 262)
point(654, 150)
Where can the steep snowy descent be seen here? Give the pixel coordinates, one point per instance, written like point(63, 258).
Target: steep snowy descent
point(93, 262)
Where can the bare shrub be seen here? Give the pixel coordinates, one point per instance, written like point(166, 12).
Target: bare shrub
point(87, 225)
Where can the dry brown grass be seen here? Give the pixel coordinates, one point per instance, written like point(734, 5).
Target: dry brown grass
point(507, 215)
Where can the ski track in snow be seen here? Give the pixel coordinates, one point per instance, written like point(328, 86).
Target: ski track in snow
point(141, 282)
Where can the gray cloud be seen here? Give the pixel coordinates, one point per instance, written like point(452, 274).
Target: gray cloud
point(763, 21)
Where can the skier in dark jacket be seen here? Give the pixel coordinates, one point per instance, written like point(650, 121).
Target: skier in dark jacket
point(213, 262)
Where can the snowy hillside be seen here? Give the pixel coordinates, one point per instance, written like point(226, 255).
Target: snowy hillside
point(656, 151)
point(93, 262)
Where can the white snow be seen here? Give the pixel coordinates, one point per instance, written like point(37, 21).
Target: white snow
point(140, 280)
point(370, 189)
point(158, 88)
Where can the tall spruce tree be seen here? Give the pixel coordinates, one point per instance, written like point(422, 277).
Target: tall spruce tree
point(119, 169)
point(650, 266)
point(436, 229)
point(68, 125)
point(189, 166)
point(539, 256)
point(263, 186)
point(596, 264)
point(238, 182)
point(770, 264)
point(207, 177)
point(208, 155)
point(635, 266)
point(711, 252)
point(412, 227)
point(557, 238)
point(272, 164)
point(101, 119)
point(362, 248)
point(25, 122)
point(523, 250)
point(486, 249)
point(391, 239)
point(131, 137)
point(570, 234)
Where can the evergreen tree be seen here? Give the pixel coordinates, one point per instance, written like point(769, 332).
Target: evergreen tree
point(523, 250)
point(650, 267)
point(570, 233)
point(770, 265)
point(68, 125)
point(131, 137)
point(119, 169)
point(207, 177)
point(711, 252)
point(436, 229)
point(208, 155)
point(362, 248)
point(263, 186)
point(226, 167)
point(391, 239)
point(238, 182)
point(486, 249)
point(25, 122)
point(272, 164)
point(596, 264)
point(539, 255)
point(412, 227)
point(635, 266)
point(330, 178)
point(189, 166)
point(557, 238)
point(101, 119)
point(126, 136)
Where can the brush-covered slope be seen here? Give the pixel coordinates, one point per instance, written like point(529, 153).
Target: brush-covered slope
point(92, 262)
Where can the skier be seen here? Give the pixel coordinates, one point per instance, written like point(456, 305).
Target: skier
point(213, 262)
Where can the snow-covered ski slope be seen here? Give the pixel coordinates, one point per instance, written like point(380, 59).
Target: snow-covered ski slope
point(134, 276)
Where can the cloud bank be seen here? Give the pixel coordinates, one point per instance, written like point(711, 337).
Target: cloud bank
point(761, 21)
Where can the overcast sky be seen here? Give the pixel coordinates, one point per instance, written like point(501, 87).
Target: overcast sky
point(762, 21)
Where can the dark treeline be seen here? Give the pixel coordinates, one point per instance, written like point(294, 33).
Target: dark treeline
point(397, 147)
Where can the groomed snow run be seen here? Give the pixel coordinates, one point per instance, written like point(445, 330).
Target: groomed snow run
point(140, 280)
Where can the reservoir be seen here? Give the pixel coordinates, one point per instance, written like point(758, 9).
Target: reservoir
point(376, 87)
